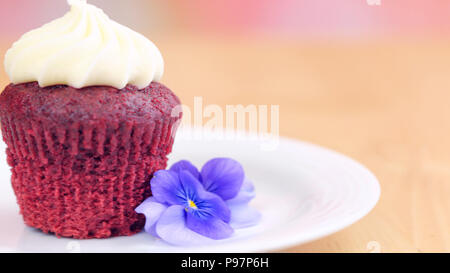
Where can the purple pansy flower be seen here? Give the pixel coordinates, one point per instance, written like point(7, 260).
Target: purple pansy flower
point(191, 207)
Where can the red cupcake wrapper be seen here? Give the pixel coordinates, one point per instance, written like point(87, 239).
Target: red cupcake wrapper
point(85, 181)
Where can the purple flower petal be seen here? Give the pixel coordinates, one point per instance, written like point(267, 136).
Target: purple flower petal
point(171, 227)
point(245, 195)
point(243, 216)
point(185, 165)
point(208, 204)
point(190, 185)
point(211, 227)
point(166, 188)
point(223, 176)
point(152, 211)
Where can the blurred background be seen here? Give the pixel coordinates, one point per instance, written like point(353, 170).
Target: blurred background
point(368, 78)
point(288, 18)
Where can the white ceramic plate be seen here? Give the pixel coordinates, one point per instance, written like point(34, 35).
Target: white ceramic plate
point(304, 192)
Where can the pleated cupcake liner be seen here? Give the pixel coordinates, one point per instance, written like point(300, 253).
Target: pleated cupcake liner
point(85, 180)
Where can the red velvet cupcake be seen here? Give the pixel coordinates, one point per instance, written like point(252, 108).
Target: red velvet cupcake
point(81, 158)
point(84, 139)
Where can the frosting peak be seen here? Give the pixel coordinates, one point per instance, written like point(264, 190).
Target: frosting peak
point(84, 48)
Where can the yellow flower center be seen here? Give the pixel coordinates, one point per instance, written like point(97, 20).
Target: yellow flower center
point(192, 204)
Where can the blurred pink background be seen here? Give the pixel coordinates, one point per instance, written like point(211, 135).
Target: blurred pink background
point(292, 18)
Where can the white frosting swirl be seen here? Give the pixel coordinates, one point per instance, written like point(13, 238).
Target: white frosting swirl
point(84, 48)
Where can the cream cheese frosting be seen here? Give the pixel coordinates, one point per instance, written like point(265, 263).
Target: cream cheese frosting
point(84, 48)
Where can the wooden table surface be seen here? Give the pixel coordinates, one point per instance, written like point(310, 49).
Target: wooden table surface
point(384, 103)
